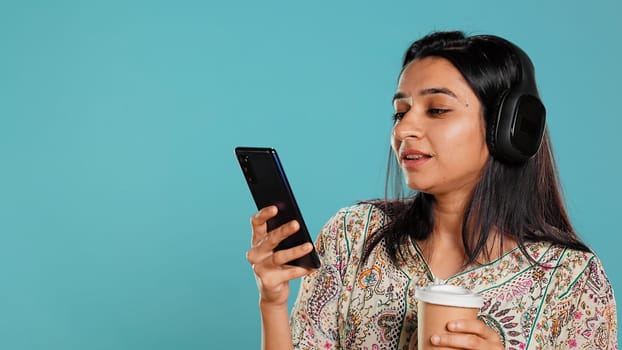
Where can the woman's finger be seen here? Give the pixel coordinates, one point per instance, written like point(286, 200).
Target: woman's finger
point(275, 278)
point(468, 334)
point(284, 256)
point(253, 257)
point(275, 236)
point(264, 249)
point(472, 326)
point(459, 341)
point(259, 223)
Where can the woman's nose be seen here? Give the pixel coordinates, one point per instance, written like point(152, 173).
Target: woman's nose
point(408, 127)
point(404, 134)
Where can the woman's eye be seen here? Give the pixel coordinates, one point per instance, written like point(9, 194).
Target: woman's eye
point(397, 116)
point(437, 111)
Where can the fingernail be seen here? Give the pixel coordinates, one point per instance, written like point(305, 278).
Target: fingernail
point(452, 326)
point(308, 246)
point(435, 339)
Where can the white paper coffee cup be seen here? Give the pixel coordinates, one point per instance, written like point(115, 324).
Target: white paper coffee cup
point(439, 304)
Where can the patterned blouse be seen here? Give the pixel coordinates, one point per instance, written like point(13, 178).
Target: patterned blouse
point(566, 303)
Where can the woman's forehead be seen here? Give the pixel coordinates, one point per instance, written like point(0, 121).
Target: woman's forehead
point(431, 70)
point(432, 75)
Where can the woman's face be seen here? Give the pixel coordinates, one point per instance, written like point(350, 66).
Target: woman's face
point(439, 135)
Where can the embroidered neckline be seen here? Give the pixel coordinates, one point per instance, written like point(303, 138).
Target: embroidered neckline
point(415, 260)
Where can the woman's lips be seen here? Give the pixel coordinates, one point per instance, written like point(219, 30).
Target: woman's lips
point(411, 159)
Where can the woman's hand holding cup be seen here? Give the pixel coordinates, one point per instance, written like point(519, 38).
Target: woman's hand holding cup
point(468, 334)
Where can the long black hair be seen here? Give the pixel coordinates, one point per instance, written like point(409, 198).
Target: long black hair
point(522, 201)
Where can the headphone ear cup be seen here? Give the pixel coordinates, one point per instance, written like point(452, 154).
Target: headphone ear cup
point(503, 147)
point(516, 132)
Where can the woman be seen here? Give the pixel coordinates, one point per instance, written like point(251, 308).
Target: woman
point(487, 215)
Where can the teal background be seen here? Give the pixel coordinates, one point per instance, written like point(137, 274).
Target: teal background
point(123, 214)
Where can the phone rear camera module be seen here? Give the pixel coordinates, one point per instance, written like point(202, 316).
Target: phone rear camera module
point(247, 169)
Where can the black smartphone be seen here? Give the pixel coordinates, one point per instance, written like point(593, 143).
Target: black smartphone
point(268, 184)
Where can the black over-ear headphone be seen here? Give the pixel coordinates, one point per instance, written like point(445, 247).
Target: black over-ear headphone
point(515, 132)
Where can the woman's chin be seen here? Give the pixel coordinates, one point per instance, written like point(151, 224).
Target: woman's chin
point(417, 187)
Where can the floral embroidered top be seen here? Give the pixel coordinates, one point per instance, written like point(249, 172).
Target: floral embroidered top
point(566, 303)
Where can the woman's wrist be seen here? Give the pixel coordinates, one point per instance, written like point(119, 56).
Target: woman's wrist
point(265, 306)
point(276, 334)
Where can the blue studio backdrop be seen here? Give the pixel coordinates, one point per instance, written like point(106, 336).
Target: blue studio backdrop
point(123, 213)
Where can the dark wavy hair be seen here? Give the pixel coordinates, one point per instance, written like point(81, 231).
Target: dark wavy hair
point(523, 201)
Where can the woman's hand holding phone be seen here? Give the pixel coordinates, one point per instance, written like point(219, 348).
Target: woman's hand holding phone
point(271, 272)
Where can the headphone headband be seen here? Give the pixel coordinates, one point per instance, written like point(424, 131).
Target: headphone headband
point(527, 83)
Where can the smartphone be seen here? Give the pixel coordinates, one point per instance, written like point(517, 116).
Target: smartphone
point(268, 184)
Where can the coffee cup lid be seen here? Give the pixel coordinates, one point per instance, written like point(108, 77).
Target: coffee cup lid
point(445, 294)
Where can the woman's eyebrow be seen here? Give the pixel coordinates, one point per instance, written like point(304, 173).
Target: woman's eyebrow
point(432, 91)
point(400, 96)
